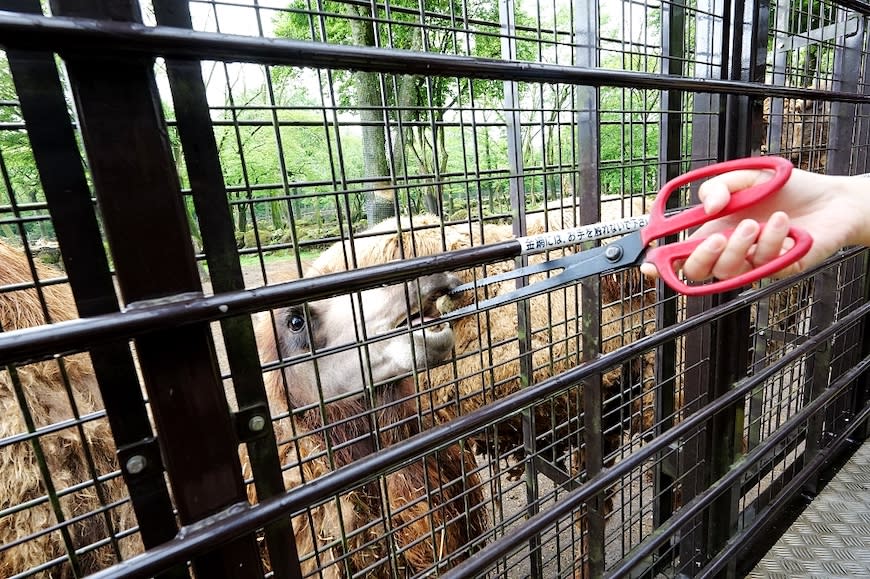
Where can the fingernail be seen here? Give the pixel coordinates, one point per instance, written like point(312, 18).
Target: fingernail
point(713, 244)
point(747, 229)
point(648, 269)
point(778, 220)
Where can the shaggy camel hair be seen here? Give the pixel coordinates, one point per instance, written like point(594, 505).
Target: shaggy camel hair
point(487, 358)
point(430, 503)
point(428, 512)
point(53, 392)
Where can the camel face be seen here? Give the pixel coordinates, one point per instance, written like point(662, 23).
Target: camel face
point(318, 339)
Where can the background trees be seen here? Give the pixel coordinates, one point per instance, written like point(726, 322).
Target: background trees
point(307, 154)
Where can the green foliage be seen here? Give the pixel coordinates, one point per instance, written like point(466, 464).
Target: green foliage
point(17, 165)
point(420, 104)
point(811, 61)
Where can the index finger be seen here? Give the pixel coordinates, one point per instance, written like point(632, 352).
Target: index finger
point(716, 191)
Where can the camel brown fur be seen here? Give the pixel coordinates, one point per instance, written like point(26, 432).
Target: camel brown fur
point(424, 505)
point(805, 124)
point(46, 390)
point(486, 365)
point(426, 513)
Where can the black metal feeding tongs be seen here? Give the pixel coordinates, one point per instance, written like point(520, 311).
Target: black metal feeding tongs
point(634, 249)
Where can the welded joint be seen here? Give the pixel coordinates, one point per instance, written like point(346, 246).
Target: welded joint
point(669, 463)
point(179, 298)
point(229, 513)
point(252, 422)
point(140, 458)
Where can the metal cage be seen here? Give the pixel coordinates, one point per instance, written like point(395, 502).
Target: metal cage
point(228, 230)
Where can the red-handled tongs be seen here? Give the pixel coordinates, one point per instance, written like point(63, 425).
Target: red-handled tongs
point(634, 249)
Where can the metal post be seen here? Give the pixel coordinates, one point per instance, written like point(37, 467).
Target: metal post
point(140, 201)
point(513, 120)
point(709, 40)
point(56, 154)
point(210, 199)
point(670, 156)
point(588, 186)
point(742, 126)
point(825, 291)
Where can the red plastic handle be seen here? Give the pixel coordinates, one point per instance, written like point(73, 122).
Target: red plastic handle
point(660, 226)
point(664, 258)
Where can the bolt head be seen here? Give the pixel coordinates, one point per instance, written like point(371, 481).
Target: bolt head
point(136, 464)
point(613, 252)
point(256, 423)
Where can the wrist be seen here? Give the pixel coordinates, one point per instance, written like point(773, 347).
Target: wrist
point(855, 192)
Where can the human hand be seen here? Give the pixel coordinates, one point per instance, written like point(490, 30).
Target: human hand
point(833, 210)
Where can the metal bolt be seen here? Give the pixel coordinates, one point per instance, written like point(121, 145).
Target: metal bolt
point(613, 252)
point(136, 464)
point(256, 423)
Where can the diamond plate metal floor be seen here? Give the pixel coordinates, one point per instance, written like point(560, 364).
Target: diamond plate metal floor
point(831, 538)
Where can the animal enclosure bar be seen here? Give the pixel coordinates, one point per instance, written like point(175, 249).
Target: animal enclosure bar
point(229, 231)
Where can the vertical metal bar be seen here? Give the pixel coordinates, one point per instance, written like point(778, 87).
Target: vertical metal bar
point(588, 186)
point(216, 225)
point(860, 165)
point(56, 154)
point(513, 120)
point(779, 78)
point(743, 131)
point(825, 291)
point(860, 149)
point(140, 200)
point(862, 388)
point(709, 38)
point(774, 146)
point(670, 154)
point(843, 115)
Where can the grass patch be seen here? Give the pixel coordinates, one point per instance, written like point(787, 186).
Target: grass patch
point(306, 255)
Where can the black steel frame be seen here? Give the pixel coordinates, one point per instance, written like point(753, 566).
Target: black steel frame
point(137, 190)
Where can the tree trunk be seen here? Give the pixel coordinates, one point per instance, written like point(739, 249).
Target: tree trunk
point(407, 98)
point(380, 202)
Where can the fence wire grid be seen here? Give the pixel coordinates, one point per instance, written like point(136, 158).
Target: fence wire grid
point(229, 232)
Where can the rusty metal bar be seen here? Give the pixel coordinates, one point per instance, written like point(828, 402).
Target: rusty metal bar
point(140, 200)
point(66, 337)
point(216, 225)
point(56, 154)
point(100, 37)
point(245, 519)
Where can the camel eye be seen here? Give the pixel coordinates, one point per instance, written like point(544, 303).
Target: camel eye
point(296, 322)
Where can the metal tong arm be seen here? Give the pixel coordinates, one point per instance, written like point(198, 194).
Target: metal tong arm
point(562, 262)
point(605, 259)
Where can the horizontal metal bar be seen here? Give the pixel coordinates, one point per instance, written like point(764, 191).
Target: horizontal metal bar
point(830, 32)
point(62, 338)
point(692, 509)
point(856, 5)
point(248, 518)
point(99, 38)
point(491, 553)
point(739, 540)
point(32, 344)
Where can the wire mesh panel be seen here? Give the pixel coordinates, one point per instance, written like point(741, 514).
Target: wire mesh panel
point(231, 343)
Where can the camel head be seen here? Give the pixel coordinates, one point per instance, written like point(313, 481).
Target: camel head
point(340, 346)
